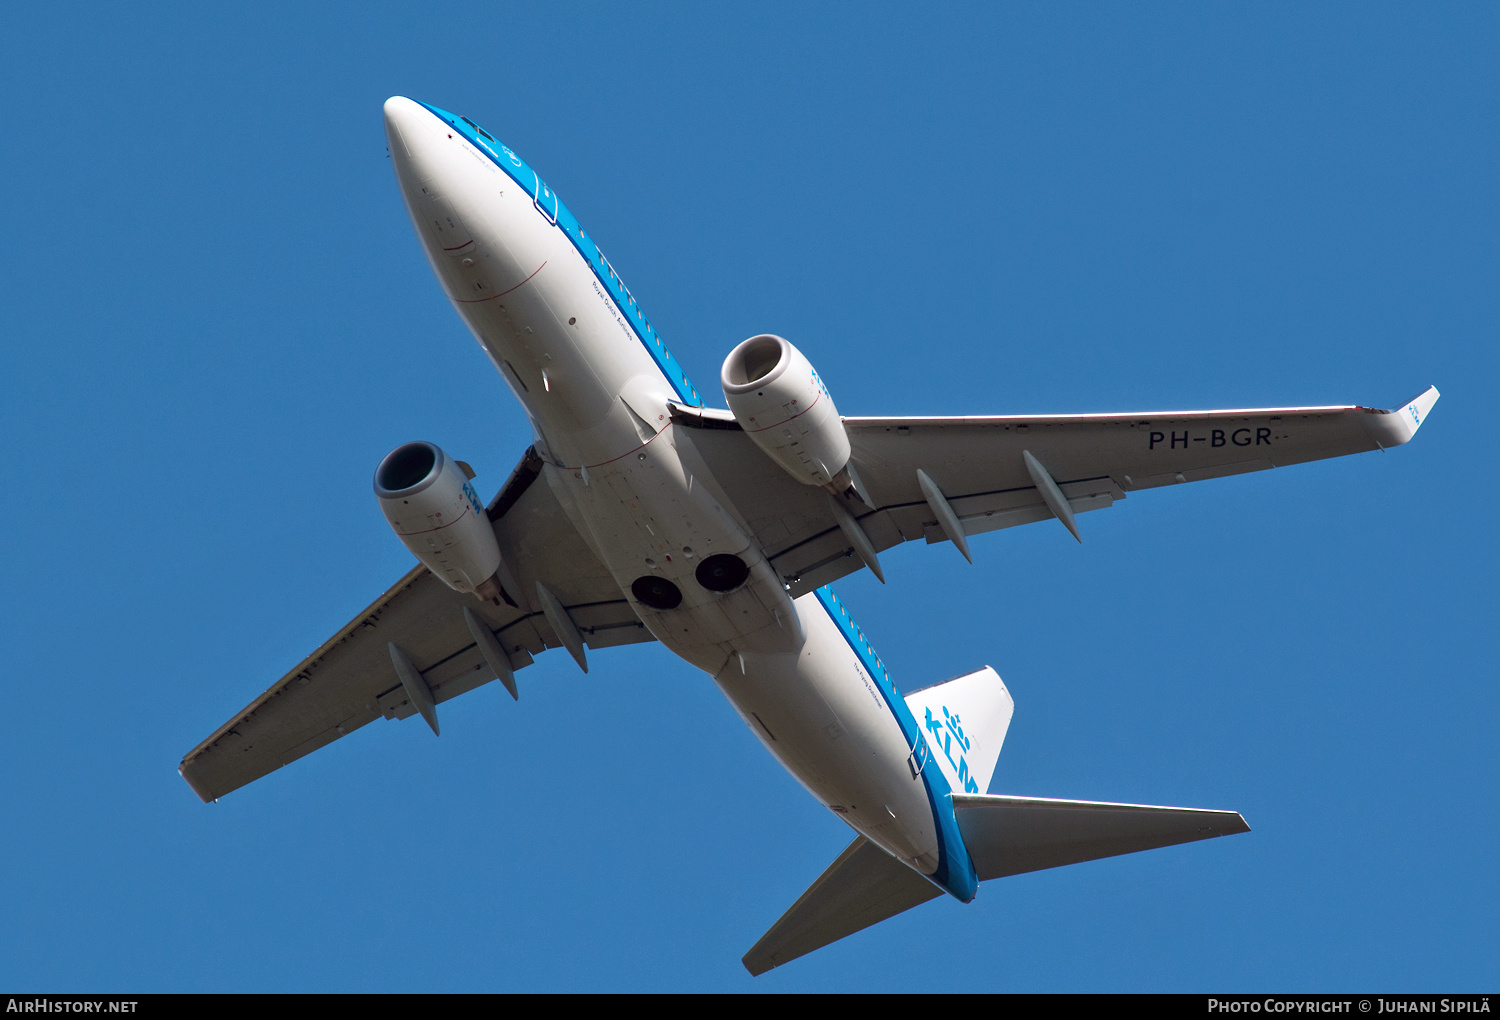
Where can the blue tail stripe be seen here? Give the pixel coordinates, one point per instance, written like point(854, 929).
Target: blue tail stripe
point(955, 872)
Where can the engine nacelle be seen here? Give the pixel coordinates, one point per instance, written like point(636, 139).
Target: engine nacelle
point(782, 405)
point(432, 508)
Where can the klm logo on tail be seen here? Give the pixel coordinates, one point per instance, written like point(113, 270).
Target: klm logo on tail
point(948, 736)
point(964, 721)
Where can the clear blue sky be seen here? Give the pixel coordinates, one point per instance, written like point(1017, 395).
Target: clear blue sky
point(216, 320)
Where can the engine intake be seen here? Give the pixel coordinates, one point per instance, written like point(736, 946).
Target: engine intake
point(782, 404)
point(431, 506)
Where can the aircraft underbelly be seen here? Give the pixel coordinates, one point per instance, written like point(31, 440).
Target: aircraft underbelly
point(821, 715)
point(531, 301)
point(598, 402)
point(783, 664)
point(534, 334)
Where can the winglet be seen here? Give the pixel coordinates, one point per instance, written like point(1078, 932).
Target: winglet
point(1398, 425)
point(203, 792)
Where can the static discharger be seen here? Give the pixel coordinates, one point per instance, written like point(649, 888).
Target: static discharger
point(946, 518)
point(494, 655)
point(562, 625)
point(416, 688)
point(1051, 494)
point(856, 536)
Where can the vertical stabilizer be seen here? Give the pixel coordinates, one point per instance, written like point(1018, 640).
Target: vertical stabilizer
point(964, 721)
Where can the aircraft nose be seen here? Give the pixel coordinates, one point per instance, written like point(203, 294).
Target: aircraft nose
point(408, 127)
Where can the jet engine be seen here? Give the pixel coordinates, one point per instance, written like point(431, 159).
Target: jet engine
point(778, 399)
point(432, 508)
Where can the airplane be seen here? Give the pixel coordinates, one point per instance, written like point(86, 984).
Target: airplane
point(641, 513)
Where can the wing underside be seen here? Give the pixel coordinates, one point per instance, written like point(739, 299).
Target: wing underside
point(351, 681)
point(979, 467)
point(984, 472)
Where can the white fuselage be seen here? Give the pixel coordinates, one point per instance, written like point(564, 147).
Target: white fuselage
point(580, 361)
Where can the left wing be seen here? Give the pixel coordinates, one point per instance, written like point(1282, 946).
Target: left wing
point(996, 472)
point(351, 680)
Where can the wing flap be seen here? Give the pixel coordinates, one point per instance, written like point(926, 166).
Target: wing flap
point(1014, 835)
point(864, 886)
point(311, 744)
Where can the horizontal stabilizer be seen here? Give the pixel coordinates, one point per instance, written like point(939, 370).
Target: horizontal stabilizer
point(1013, 835)
point(864, 886)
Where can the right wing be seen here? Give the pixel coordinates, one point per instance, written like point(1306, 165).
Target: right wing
point(986, 469)
point(350, 680)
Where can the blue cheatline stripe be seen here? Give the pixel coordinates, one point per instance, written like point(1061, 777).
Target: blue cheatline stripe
point(551, 207)
point(955, 871)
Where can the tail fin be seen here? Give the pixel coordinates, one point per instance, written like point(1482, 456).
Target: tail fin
point(965, 721)
point(1005, 836)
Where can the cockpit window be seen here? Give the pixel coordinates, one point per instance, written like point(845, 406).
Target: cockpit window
point(477, 128)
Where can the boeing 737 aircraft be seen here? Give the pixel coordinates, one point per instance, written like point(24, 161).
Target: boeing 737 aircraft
point(639, 513)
